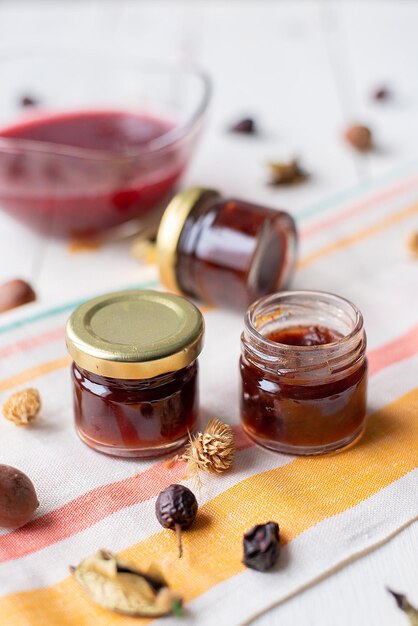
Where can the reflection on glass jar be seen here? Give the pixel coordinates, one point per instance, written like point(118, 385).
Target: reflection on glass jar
point(135, 371)
point(224, 251)
point(303, 372)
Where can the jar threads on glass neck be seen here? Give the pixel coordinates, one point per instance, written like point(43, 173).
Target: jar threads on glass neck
point(303, 372)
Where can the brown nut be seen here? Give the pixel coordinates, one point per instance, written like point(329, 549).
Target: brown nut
point(18, 500)
point(14, 293)
point(360, 137)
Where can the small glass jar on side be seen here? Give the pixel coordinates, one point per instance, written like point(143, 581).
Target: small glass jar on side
point(303, 372)
point(224, 251)
point(135, 371)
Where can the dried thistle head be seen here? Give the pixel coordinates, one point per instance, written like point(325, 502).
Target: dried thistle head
point(210, 451)
point(22, 407)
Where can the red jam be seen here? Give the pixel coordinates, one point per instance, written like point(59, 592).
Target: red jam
point(135, 371)
point(78, 173)
point(230, 252)
point(303, 387)
point(128, 415)
point(304, 336)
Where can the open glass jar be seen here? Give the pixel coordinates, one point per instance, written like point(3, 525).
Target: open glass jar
point(304, 372)
point(135, 371)
point(224, 251)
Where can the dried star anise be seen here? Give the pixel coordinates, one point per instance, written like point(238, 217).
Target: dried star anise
point(286, 172)
point(262, 546)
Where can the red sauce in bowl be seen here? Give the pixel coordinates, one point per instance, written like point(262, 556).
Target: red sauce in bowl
point(80, 172)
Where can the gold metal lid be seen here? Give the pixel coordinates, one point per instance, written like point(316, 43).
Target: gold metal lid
point(170, 229)
point(135, 334)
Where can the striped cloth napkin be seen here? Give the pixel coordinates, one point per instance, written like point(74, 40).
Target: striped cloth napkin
point(331, 509)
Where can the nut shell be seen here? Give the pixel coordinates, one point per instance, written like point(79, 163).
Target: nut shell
point(14, 293)
point(18, 500)
point(360, 137)
point(176, 506)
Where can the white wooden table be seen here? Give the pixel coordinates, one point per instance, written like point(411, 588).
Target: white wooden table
point(303, 70)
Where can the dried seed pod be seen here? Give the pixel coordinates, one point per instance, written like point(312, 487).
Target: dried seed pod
point(176, 509)
point(28, 101)
point(382, 94)
point(23, 406)
point(286, 172)
point(360, 137)
point(245, 126)
point(117, 585)
point(404, 605)
point(14, 293)
point(262, 546)
point(210, 451)
point(18, 500)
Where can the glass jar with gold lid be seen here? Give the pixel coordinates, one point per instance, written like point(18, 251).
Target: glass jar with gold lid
point(135, 371)
point(224, 251)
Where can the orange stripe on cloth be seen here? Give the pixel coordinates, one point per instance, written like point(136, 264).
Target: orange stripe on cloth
point(95, 505)
point(34, 372)
point(350, 240)
point(300, 495)
point(358, 207)
point(403, 347)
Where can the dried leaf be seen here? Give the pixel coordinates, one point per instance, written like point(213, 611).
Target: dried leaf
point(403, 604)
point(117, 585)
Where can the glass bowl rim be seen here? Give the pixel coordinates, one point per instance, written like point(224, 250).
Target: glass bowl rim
point(153, 147)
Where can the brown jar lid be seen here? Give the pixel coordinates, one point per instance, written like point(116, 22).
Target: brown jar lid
point(135, 334)
point(170, 230)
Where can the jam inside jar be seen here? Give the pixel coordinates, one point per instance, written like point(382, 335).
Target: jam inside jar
point(153, 415)
point(223, 251)
point(303, 372)
point(135, 371)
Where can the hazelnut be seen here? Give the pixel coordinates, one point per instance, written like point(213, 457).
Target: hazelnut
point(22, 407)
point(18, 500)
point(360, 137)
point(14, 293)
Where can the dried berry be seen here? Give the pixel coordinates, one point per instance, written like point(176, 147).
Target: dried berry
point(120, 587)
point(360, 137)
point(286, 173)
point(245, 126)
point(28, 101)
point(403, 603)
point(22, 407)
point(262, 546)
point(176, 508)
point(14, 293)
point(18, 500)
point(382, 94)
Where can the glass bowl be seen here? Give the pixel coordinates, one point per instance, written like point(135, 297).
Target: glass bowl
point(89, 143)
